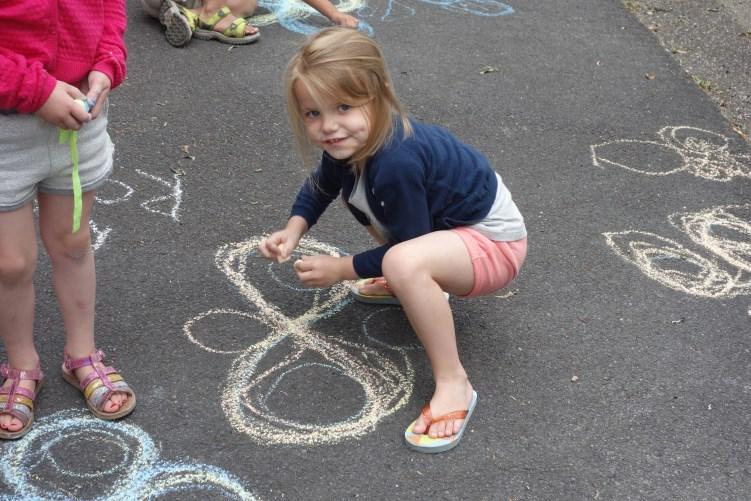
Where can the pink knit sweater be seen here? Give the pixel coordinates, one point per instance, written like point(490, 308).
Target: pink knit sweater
point(42, 41)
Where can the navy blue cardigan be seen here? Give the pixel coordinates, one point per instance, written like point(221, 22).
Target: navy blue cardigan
point(426, 182)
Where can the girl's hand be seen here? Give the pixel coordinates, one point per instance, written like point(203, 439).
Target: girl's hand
point(342, 19)
point(279, 245)
point(61, 108)
point(97, 88)
point(322, 270)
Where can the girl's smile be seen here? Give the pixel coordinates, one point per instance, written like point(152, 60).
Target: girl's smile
point(338, 128)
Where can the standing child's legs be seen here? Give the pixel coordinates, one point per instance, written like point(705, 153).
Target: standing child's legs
point(418, 271)
point(74, 278)
point(18, 256)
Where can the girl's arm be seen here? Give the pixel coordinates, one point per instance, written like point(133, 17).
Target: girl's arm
point(111, 54)
point(24, 86)
point(337, 17)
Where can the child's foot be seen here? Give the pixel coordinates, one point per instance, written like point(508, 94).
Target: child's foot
point(224, 22)
point(225, 27)
point(448, 397)
point(107, 394)
point(9, 422)
point(115, 401)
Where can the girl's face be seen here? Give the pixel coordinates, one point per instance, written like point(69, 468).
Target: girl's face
point(338, 128)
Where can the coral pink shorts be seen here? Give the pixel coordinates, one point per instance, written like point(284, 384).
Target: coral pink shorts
point(495, 264)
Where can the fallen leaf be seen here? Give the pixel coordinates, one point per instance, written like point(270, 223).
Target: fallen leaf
point(649, 76)
point(185, 148)
point(740, 132)
point(574, 379)
point(177, 171)
point(488, 69)
point(678, 51)
point(679, 321)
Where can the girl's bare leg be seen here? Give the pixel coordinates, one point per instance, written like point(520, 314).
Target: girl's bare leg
point(73, 276)
point(418, 271)
point(18, 257)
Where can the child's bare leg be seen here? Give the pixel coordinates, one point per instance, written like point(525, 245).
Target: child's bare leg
point(73, 276)
point(18, 257)
point(418, 271)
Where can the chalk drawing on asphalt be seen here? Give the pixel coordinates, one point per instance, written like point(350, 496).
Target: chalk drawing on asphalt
point(116, 192)
point(125, 465)
point(696, 151)
point(298, 16)
point(288, 345)
point(722, 233)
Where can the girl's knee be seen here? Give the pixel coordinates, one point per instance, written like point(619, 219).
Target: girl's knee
point(399, 264)
point(71, 246)
point(17, 269)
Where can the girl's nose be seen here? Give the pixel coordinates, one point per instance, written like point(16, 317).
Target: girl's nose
point(329, 124)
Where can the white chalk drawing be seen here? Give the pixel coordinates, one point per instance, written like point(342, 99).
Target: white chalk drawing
point(386, 386)
point(119, 192)
point(175, 196)
point(297, 16)
point(696, 151)
point(120, 458)
point(723, 233)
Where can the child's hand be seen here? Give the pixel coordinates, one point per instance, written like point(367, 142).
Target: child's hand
point(97, 88)
point(61, 108)
point(342, 19)
point(323, 270)
point(279, 246)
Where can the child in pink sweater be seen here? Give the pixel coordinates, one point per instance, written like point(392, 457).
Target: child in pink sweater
point(59, 59)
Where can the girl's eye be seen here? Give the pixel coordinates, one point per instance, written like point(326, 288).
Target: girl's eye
point(344, 107)
point(311, 114)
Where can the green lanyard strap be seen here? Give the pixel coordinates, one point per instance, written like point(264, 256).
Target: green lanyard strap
point(71, 137)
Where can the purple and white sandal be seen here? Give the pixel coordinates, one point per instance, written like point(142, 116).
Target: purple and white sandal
point(99, 385)
point(18, 401)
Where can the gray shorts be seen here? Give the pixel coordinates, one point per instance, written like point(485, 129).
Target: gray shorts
point(32, 159)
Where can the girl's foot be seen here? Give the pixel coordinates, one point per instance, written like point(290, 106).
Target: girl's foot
point(448, 397)
point(224, 26)
point(107, 394)
point(17, 395)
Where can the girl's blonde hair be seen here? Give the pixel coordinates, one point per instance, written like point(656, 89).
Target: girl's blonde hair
point(347, 66)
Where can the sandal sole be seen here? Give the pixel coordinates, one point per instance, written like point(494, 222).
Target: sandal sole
point(177, 29)
point(202, 34)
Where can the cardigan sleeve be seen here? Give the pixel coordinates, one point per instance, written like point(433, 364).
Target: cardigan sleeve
point(24, 85)
point(111, 53)
point(319, 190)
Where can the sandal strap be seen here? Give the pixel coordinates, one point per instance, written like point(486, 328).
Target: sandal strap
point(98, 394)
point(208, 24)
point(91, 376)
point(428, 415)
point(11, 373)
point(72, 364)
point(236, 29)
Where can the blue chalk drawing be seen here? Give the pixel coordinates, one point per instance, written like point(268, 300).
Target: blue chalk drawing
point(297, 16)
point(38, 466)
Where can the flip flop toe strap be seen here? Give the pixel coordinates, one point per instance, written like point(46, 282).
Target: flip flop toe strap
point(429, 419)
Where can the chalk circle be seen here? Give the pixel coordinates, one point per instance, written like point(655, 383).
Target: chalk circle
point(245, 338)
point(317, 414)
point(181, 479)
point(671, 264)
point(726, 231)
point(693, 139)
point(21, 458)
point(107, 193)
point(643, 157)
point(284, 273)
point(385, 337)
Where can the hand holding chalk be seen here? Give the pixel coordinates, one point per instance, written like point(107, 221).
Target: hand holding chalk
point(280, 256)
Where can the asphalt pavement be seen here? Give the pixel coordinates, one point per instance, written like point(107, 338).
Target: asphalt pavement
point(616, 367)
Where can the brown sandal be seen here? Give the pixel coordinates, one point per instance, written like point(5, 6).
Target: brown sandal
point(99, 385)
point(17, 401)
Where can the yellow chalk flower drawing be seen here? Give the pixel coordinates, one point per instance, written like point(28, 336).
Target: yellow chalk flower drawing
point(696, 151)
point(291, 344)
point(722, 232)
point(71, 449)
